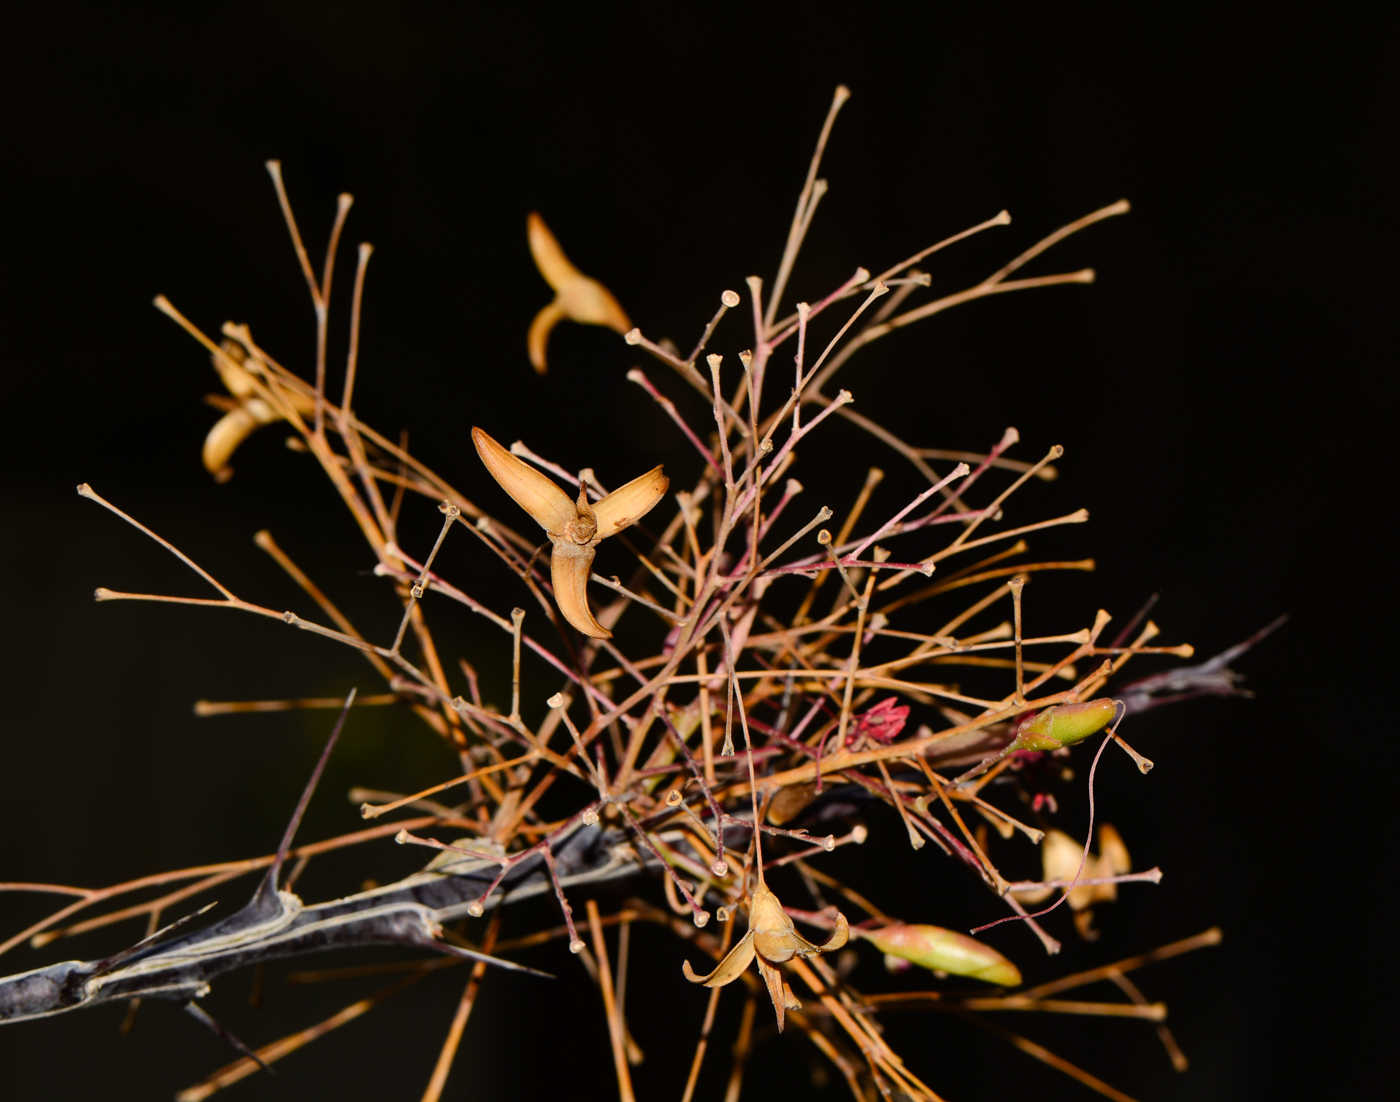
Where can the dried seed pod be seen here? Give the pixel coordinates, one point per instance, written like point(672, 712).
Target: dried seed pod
point(573, 527)
point(941, 950)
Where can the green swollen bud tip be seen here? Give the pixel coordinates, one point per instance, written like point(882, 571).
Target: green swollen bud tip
point(1063, 725)
point(941, 950)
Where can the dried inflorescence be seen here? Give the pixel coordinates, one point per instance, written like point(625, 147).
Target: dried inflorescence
point(777, 715)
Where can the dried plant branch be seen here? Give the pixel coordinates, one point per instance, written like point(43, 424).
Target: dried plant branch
point(710, 627)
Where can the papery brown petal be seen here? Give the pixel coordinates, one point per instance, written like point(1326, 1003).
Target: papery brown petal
point(236, 379)
point(588, 301)
point(1112, 852)
point(538, 337)
point(729, 969)
point(302, 403)
point(570, 566)
point(628, 504)
point(1060, 855)
point(534, 492)
point(1032, 895)
point(549, 257)
point(1113, 861)
point(790, 802)
point(773, 980)
point(228, 432)
point(839, 937)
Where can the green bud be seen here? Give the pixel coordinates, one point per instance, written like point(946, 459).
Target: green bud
point(942, 950)
point(1063, 725)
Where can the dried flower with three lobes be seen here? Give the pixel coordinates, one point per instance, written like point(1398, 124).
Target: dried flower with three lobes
point(576, 296)
point(573, 527)
point(771, 939)
point(244, 413)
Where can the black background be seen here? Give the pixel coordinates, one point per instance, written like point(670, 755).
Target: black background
point(1219, 392)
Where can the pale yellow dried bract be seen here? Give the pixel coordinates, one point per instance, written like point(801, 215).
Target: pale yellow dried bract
point(576, 296)
point(573, 527)
point(1060, 856)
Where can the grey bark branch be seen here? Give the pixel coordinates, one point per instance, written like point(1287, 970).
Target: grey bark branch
point(410, 912)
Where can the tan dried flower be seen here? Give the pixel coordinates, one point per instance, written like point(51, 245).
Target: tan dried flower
point(244, 413)
point(576, 296)
point(1060, 856)
point(771, 939)
point(573, 527)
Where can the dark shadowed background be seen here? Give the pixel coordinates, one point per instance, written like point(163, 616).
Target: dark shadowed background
point(1219, 393)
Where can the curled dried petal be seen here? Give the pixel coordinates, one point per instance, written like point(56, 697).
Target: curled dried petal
point(777, 989)
point(571, 564)
point(1113, 853)
point(549, 257)
point(790, 802)
point(839, 937)
point(729, 969)
point(1060, 857)
point(628, 504)
point(538, 337)
point(533, 491)
point(1113, 860)
point(231, 430)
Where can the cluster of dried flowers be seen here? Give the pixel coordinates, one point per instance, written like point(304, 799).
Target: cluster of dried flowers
point(743, 743)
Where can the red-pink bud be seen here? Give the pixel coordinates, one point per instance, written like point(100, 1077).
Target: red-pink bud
point(882, 723)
